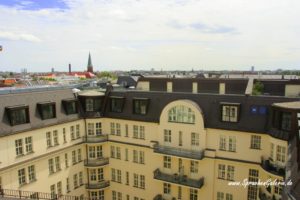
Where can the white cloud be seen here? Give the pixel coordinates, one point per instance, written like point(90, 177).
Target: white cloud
point(5, 35)
point(168, 34)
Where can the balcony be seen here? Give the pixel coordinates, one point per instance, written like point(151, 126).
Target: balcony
point(178, 179)
point(96, 162)
point(174, 151)
point(95, 138)
point(97, 185)
point(272, 168)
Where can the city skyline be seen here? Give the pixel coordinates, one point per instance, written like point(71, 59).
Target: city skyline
point(168, 35)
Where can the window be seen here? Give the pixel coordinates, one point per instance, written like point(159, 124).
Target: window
point(221, 171)
point(126, 154)
point(142, 181)
point(179, 192)
point(67, 185)
point(232, 144)
point(135, 156)
point(140, 106)
point(89, 105)
point(252, 188)
point(93, 175)
point(220, 195)
point(59, 188)
point(194, 166)
point(18, 115)
point(66, 160)
point(64, 135)
point(51, 166)
point(112, 152)
point(119, 176)
point(116, 104)
point(230, 172)
point(31, 173)
point(181, 114)
point(112, 128)
point(229, 196)
point(55, 138)
point(47, 110)
point(74, 161)
point(118, 129)
point(167, 188)
point(77, 131)
point(138, 132)
point(180, 138)
point(280, 153)
point(80, 178)
point(271, 151)
point(75, 181)
point(79, 155)
point(222, 143)
point(114, 195)
point(278, 189)
point(230, 112)
point(98, 128)
point(195, 139)
point(70, 106)
point(255, 141)
point(53, 191)
point(57, 163)
point(167, 135)
point(19, 147)
point(135, 180)
point(142, 157)
point(167, 162)
point(127, 178)
point(90, 129)
point(113, 174)
point(118, 155)
point(126, 130)
point(22, 176)
point(286, 121)
point(72, 132)
point(193, 194)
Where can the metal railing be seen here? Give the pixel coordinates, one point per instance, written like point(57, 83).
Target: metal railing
point(19, 194)
point(175, 151)
point(179, 179)
point(95, 138)
point(272, 168)
point(96, 162)
point(97, 185)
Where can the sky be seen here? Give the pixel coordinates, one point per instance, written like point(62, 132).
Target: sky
point(143, 34)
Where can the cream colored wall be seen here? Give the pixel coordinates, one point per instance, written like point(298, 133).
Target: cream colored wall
point(208, 166)
point(195, 87)
point(169, 86)
point(143, 85)
point(292, 90)
point(222, 88)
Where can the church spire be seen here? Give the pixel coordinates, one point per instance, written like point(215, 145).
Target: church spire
point(90, 65)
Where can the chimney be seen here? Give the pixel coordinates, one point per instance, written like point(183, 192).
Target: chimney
point(70, 70)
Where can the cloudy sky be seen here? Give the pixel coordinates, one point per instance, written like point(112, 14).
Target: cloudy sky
point(145, 34)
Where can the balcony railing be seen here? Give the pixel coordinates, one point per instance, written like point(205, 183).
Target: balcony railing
point(179, 179)
point(274, 169)
point(19, 194)
point(96, 162)
point(97, 185)
point(175, 151)
point(95, 138)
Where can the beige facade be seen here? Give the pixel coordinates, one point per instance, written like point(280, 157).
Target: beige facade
point(174, 158)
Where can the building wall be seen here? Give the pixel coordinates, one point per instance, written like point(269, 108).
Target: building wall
point(242, 159)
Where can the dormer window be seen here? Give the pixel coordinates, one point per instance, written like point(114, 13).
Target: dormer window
point(47, 110)
point(230, 112)
point(70, 106)
point(92, 104)
point(18, 114)
point(282, 120)
point(116, 104)
point(140, 106)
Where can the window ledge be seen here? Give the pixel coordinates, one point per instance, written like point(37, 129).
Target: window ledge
point(20, 155)
point(30, 152)
point(255, 148)
point(32, 181)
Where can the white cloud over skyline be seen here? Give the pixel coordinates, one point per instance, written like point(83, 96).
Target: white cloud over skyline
point(140, 34)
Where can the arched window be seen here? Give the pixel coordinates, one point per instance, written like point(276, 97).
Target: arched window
point(181, 114)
